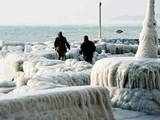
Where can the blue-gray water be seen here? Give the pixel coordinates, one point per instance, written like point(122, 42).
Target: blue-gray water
point(73, 33)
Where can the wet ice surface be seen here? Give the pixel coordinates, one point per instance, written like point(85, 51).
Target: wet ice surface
point(132, 115)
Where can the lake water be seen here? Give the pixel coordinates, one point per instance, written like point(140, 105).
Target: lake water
point(72, 33)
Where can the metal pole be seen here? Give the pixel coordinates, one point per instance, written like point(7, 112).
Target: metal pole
point(100, 21)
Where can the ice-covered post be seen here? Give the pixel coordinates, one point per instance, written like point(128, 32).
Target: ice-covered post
point(100, 21)
point(148, 41)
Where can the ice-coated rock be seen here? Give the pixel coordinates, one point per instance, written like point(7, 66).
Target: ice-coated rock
point(73, 53)
point(122, 114)
point(137, 99)
point(74, 103)
point(50, 77)
point(42, 50)
point(68, 73)
point(27, 48)
point(9, 65)
point(128, 75)
point(15, 49)
point(116, 48)
point(7, 83)
point(100, 46)
point(31, 65)
point(20, 79)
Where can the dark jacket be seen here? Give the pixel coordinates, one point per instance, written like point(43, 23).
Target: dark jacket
point(61, 44)
point(87, 48)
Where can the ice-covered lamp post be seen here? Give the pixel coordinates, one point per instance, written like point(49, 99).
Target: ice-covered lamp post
point(148, 46)
point(134, 82)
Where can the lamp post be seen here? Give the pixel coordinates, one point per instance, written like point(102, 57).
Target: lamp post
point(100, 21)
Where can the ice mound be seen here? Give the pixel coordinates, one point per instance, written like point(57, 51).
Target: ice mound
point(15, 49)
point(73, 103)
point(6, 86)
point(55, 79)
point(128, 76)
point(116, 48)
point(32, 63)
point(73, 53)
point(100, 46)
point(121, 48)
point(136, 99)
point(68, 73)
point(43, 50)
point(7, 83)
point(9, 65)
point(127, 73)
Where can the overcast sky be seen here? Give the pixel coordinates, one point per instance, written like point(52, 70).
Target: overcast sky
point(60, 12)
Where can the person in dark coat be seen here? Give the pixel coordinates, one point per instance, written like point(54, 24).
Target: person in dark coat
point(61, 46)
point(87, 49)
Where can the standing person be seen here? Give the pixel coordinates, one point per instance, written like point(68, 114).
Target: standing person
point(87, 49)
point(61, 46)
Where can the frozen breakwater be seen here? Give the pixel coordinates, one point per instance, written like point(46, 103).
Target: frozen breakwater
point(133, 83)
point(42, 72)
point(34, 86)
point(74, 103)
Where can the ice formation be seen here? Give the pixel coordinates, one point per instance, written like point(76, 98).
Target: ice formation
point(74, 103)
point(127, 73)
point(116, 48)
point(68, 73)
point(148, 46)
point(42, 50)
point(143, 100)
point(73, 53)
point(132, 81)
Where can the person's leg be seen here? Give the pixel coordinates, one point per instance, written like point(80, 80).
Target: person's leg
point(59, 55)
point(88, 59)
point(64, 56)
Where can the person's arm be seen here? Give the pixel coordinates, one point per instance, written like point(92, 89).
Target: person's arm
point(56, 43)
point(67, 44)
point(80, 51)
point(94, 47)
